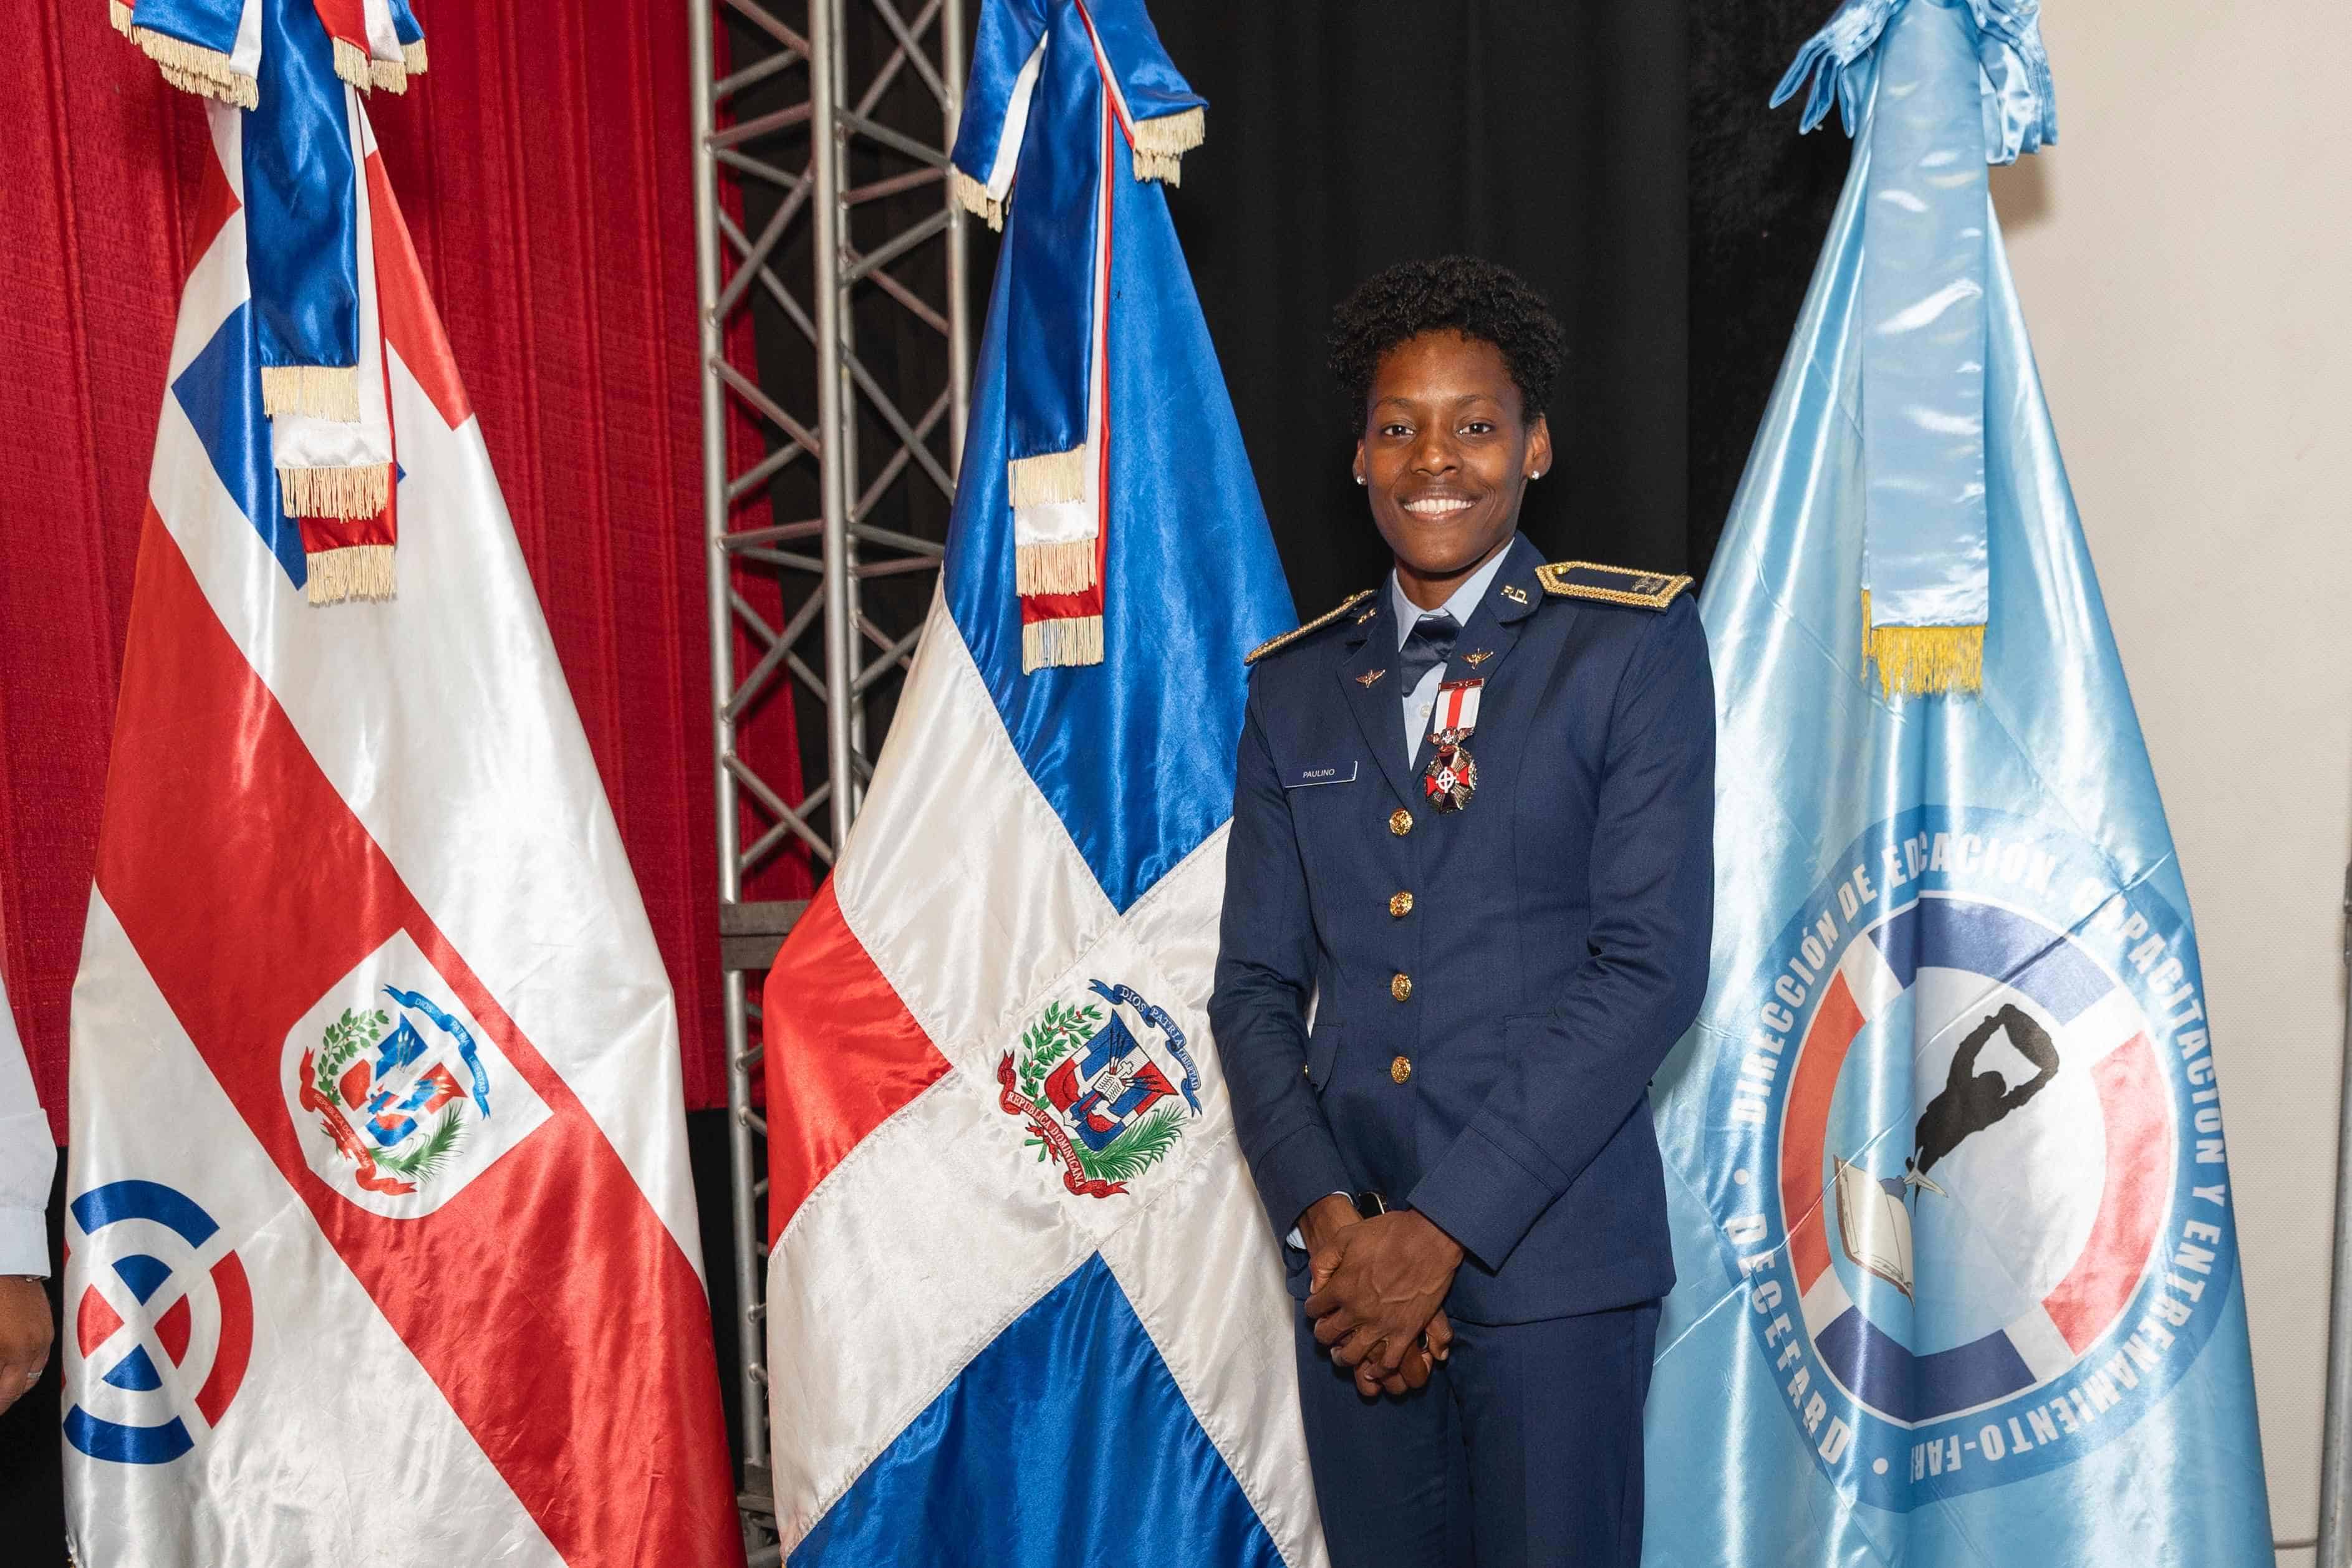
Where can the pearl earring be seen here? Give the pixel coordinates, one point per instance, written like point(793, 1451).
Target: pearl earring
point(1360, 478)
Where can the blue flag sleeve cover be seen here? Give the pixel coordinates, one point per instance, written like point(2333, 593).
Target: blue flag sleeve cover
point(1954, 1227)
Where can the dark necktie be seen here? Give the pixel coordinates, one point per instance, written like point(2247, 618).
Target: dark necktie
point(1429, 644)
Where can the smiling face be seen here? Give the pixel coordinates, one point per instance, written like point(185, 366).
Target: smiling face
point(1446, 457)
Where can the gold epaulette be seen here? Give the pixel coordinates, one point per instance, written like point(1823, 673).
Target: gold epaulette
point(1611, 584)
point(1273, 644)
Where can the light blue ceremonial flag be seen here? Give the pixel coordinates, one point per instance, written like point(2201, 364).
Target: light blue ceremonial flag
point(1954, 1230)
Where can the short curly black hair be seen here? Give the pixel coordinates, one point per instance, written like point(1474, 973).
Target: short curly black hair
point(1475, 297)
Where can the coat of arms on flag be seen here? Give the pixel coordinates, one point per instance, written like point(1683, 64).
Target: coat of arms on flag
point(394, 1088)
point(1105, 1099)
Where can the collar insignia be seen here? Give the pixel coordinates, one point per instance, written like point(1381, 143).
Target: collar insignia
point(1366, 681)
point(1515, 593)
point(1478, 658)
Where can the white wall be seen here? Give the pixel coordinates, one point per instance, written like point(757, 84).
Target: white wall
point(2185, 257)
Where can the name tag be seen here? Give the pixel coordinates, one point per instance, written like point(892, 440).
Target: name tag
point(1329, 773)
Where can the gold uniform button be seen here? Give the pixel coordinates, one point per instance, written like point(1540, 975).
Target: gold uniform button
point(1401, 1069)
point(1400, 986)
point(1400, 904)
point(1399, 821)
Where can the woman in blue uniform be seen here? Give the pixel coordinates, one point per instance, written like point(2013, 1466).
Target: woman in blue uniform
point(1466, 915)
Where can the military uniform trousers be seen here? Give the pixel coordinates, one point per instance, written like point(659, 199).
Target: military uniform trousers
point(1524, 1450)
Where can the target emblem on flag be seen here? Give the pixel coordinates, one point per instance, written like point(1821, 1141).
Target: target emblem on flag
point(163, 1325)
point(1962, 1172)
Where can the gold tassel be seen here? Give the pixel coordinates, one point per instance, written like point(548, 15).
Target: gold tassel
point(392, 76)
point(1067, 567)
point(119, 13)
point(1161, 144)
point(335, 492)
point(1924, 659)
point(1046, 643)
point(355, 571)
point(1050, 478)
point(413, 57)
point(974, 198)
point(193, 69)
point(351, 64)
point(322, 392)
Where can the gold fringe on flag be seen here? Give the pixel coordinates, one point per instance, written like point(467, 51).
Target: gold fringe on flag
point(322, 392)
point(1924, 659)
point(351, 64)
point(1161, 144)
point(413, 57)
point(392, 76)
point(355, 571)
point(119, 13)
point(1052, 476)
point(973, 198)
point(335, 492)
point(1046, 643)
point(1066, 568)
point(193, 68)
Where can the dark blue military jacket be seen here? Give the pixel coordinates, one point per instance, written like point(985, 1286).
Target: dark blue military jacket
point(1492, 988)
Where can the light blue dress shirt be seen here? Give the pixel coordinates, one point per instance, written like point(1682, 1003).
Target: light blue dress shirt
point(1418, 702)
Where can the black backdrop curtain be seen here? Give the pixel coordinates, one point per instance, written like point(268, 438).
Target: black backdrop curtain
point(1349, 134)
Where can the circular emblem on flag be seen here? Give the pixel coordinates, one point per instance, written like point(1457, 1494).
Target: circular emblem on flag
point(1104, 1085)
point(162, 1327)
point(1969, 1160)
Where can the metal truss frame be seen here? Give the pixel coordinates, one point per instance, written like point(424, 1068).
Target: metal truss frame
point(800, 155)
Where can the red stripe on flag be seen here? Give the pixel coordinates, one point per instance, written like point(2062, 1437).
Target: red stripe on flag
point(546, 1300)
point(236, 1296)
point(842, 1054)
point(2131, 1203)
point(406, 305)
point(1804, 1128)
point(216, 203)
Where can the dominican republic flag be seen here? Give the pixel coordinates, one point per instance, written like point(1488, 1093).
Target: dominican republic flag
point(1022, 1305)
point(1954, 1224)
point(381, 1244)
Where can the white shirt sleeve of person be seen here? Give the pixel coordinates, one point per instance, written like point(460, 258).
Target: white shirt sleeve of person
point(27, 1158)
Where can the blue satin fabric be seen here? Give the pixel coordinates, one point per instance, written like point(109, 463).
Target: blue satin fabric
point(1923, 404)
point(1135, 754)
point(207, 23)
point(403, 24)
point(1007, 34)
point(2018, 99)
point(1148, 78)
point(1063, 1443)
point(220, 391)
point(1049, 246)
point(1818, 772)
point(300, 207)
point(1049, 249)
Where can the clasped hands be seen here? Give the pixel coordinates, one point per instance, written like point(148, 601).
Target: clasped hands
point(1376, 1286)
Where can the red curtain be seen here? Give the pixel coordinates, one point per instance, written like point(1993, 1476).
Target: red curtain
point(543, 166)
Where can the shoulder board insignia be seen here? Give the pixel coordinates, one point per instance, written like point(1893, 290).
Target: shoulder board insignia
point(1276, 644)
point(1611, 584)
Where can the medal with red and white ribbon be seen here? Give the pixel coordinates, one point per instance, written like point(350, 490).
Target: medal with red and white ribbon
point(1452, 776)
